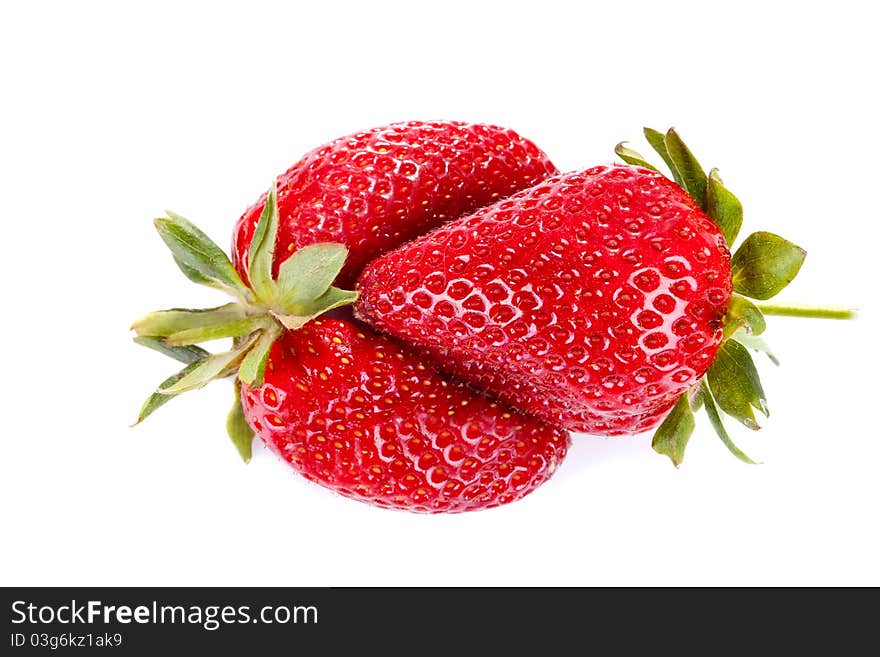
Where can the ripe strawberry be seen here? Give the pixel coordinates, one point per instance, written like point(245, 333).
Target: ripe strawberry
point(347, 408)
point(595, 299)
point(357, 413)
point(590, 299)
point(375, 190)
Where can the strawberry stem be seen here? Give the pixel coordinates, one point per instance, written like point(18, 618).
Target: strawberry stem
point(799, 310)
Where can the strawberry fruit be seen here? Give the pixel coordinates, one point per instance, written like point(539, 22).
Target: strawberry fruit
point(359, 414)
point(375, 190)
point(604, 301)
point(345, 407)
point(596, 300)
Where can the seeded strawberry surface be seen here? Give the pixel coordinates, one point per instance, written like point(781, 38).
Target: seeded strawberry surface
point(375, 190)
point(353, 411)
point(592, 300)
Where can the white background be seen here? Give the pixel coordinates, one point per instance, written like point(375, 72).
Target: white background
point(112, 113)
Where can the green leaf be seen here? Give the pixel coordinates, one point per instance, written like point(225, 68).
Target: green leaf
point(163, 323)
point(736, 385)
point(157, 400)
point(658, 142)
point(232, 329)
point(309, 272)
point(630, 156)
point(723, 207)
point(671, 437)
point(743, 314)
point(261, 253)
point(253, 366)
point(239, 430)
point(207, 370)
point(718, 425)
point(755, 343)
point(332, 298)
point(193, 274)
point(693, 178)
point(764, 264)
point(198, 257)
point(188, 354)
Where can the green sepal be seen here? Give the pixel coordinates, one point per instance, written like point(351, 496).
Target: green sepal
point(261, 252)
point(240, 432)
point(156, 400)
point(163, 323)
point(208, 369)
point(658, 142)
point(630, 156)
point(695, 395)
point(693, 178)
point(199, 258)
point(332, 298)
point(743, 314)
point(723, 207)
point(736, 385)
point(253, 367)
point(187, 354)
point(764, 264)
point(718, 425)
point(233, 329)
point(755, 343)
point(671, 437)
point(308, 273)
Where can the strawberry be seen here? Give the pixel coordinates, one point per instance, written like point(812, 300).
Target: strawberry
point(347, 408)
point(594, 300)
point(375, 190)
point(589, 299)
point(359, 414)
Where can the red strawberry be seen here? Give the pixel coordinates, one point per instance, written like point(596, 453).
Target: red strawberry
point(590, 299)
point(594, 299)
point(377, 189)
point(357, 413)
point(347, 408)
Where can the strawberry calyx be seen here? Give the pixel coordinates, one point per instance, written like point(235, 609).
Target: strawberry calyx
point(762, 266)
point(302, 290)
